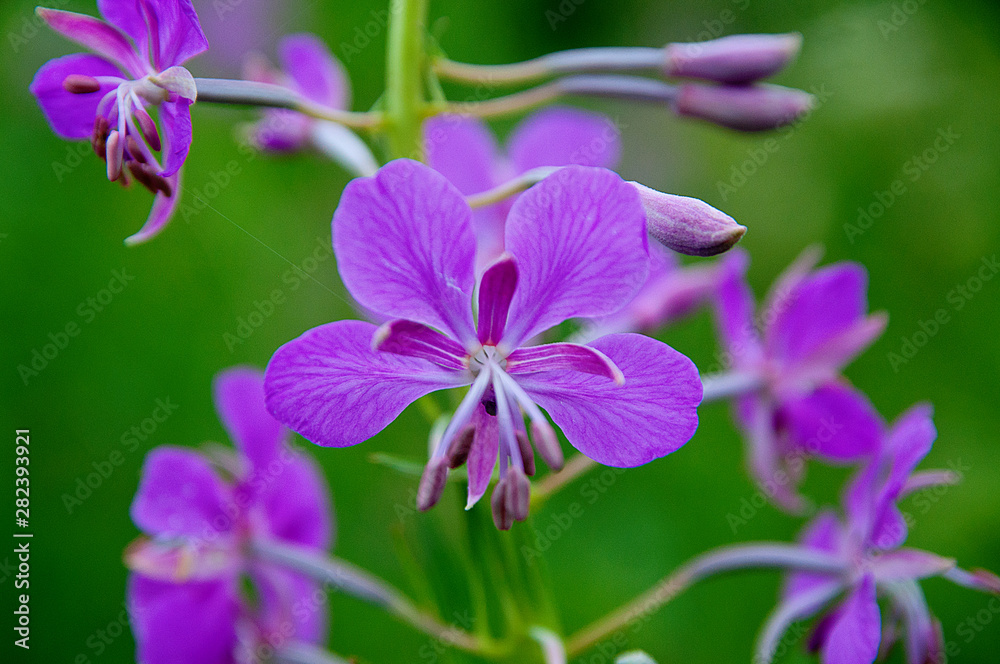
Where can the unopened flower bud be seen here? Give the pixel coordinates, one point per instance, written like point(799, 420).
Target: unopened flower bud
point(688, 225)
point(733, 59)
point(80, 84)
point(745, 108)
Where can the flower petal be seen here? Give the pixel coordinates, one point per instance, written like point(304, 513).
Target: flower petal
point(404, 337)
point(205, 612)
point(296, 500)
point(819, 307)
point(483, 453)
point(909, 564)
point(823, 533)
point(734, 312)
point(238, 394)
point(180, 495)
point(462, 149)
point(580, 240)
point(96, 35)
point(563, 357)
point(855, 636)
point(562, 136)
point(651, 415)
point(176, 120)
point(172, 25)
point(405, 248)
point(71, 115)
point(331, 387)
point(288, 605)
point(765, 461)
point(317, 74)
point(835, 421)
point(496, 290)
point(161, 212)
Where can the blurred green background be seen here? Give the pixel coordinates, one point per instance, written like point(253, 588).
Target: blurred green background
point(890, 77)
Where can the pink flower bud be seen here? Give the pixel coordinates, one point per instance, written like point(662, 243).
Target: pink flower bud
point(733, 59)
point(745, 108)
point(688, 225)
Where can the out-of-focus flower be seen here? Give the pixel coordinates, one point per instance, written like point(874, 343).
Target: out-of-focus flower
point(200, 515)
point(811, 325)
point(575, 247)
point(105, 96)
point(308, 68)
point(868, 542)
point(238, 28)
point(465, 151)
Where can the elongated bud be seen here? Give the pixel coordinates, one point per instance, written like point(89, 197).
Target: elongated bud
point(733, 59)
point(502, 517)
point(80, 84)
point(527, 454)
point(458, 451)
point(688, 225)
point(431, 484)
point(744, 108)
point(547, 443)
point(99, 139)
point(114, 153)
point(518, 494)
point(147, 128)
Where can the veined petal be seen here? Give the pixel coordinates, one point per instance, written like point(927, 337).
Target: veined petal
point(317, 74)
point(161, 212)
point(404, 337)
point(71, 115)
point(168, 30)
point(580, 240)
point(855, 636)
point(238, 394)
point(180, 495)
point(835, 421)
point(651, 415)
point(822, 305)
point(176, 120)
point(405, 248)
point(734, 312)
point(563, 357)
point(563, 136)
point(331, 387)
point(96, 35)
point(483, 454)
point(496, 290)
point(205, 612)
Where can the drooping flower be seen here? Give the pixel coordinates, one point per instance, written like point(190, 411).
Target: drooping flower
point(200, 514)
point(308, 68)
point(869, 542)
point(465, 151)
point(810, 326)
point(138, 53)
point(575, 246)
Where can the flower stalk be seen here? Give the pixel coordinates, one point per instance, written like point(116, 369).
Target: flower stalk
point(405, 103)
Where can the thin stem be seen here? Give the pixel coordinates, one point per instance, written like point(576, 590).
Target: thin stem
point(405, 68)
point(560, 62)
point(552, 483)
point(730, 384)
point(305, 653)
point(726, 559)
point(342, 575)
point(252, 93)
point(504, 191)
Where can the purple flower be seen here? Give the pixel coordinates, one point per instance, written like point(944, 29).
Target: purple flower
point(201, 513)
point(309, 69)
point(105, 96)
point(671, 292)
point(575, 247)
point(464, 150)
point(868, 542)
point(810, 326)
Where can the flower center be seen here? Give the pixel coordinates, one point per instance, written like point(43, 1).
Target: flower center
point(484, 356)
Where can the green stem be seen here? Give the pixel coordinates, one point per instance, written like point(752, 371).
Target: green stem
point(406, 60)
